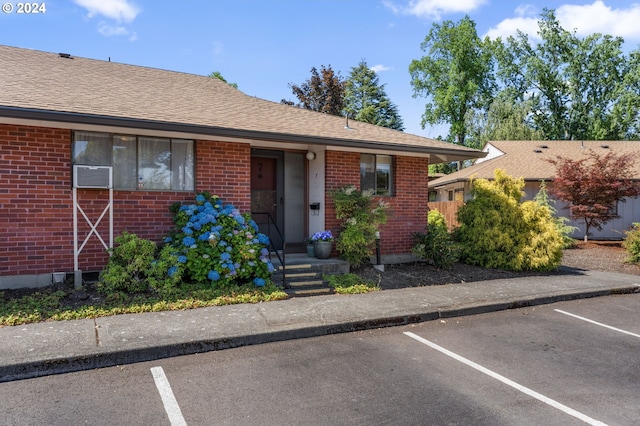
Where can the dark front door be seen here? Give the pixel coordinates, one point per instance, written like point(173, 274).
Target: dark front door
point(264, 196)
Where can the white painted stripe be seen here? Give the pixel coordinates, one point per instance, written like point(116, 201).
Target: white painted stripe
point(597, 323)
point(506, 381)
point(168, 399)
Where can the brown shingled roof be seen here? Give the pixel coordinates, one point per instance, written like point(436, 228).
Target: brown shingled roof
point(47, 86)
point(529, 159)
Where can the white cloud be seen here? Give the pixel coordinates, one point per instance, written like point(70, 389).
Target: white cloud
point(379, 68)
point(436, 8)
point(119, 10)
point(600, 18)
point(109, 31)
point(526, 20)
point(584, 19)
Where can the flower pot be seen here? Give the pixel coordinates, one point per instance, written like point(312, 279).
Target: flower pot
point(311, 250)
point(323, 249)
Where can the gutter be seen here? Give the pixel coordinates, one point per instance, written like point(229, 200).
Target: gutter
point(110, 121)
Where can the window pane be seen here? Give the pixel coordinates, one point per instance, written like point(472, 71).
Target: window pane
point(154, 163)
point(383, 174)
point(182, 164)
point(367, 171)
point(93, 149)
point(124, 162)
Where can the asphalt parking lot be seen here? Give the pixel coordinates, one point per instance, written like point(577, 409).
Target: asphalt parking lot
point(564, 363)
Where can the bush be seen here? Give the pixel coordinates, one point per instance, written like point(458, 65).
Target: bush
point(498, 230)
point(359, 223)
point(215, 244)
point(350, 284)
point(542, 198)
point(436, 244)
point(631, 243)
point(128, 266)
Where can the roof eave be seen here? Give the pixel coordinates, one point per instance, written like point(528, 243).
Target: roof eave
point(453, 154)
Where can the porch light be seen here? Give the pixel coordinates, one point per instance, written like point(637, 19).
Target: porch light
point(311, 155)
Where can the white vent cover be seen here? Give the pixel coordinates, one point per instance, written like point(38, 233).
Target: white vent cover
point(92, 176)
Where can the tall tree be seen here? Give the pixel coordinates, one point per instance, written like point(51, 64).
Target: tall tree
point(456, 75)
point(578, 88)
point(216, 74)
point(322, 92)
point(365, 99)
point(506, 119)
point(594, 185)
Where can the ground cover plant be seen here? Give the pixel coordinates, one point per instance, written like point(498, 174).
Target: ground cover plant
point(214, 256)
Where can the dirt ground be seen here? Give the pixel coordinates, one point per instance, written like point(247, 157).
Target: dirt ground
point(597, 255)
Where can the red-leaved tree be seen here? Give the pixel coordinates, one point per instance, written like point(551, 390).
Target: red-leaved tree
point(594, 185)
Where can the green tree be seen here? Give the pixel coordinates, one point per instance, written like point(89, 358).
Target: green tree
point(365, 99)
point(577, 88)
point(322, 92)
point(506, 119)
point(456, 75)
point(498, 230)
point(216, 74)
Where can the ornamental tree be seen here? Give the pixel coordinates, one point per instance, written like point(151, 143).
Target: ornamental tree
point(594, 185)
point(323, 92)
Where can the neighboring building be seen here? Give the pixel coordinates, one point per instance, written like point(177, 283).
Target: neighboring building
point(163, 136)
point(529, 160)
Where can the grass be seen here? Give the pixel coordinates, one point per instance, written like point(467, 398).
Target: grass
point(54, 306)
point(350, 284)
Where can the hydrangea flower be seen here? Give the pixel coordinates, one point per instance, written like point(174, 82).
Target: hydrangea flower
point(260, 282)
point(322, 236)
point(200, 198)
point(188, 241)
point(172, 271)
point(213, 275)
point(182, 259)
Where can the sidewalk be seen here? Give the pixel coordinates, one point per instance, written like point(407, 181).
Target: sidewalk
point(58, 347)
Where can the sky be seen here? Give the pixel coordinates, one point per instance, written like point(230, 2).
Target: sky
point(265, 45)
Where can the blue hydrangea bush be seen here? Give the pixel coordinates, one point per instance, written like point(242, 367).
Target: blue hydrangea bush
point(214, 243)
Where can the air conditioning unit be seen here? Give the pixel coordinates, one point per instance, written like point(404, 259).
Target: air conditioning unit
point(99, 177)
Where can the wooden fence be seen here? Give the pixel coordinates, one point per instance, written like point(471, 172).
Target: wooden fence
point(448, 209)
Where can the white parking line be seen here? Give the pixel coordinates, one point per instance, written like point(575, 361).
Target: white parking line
point(597, 323)
point(506, 381)
point(168, 399)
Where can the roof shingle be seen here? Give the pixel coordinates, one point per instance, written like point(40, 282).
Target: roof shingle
point(41, 81)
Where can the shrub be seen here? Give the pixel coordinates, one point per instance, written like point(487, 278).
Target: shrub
point(498, 230)
point(436, 244)
point(542, 198)
point(631, 243)
point(360, 221)
point(214, 243)
point(350, 284)
point(128, 266)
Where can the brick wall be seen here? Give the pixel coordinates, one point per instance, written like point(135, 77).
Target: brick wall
point(36, 204)
point(408, 211)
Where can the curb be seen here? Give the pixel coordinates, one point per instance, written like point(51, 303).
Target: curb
point(109, 359)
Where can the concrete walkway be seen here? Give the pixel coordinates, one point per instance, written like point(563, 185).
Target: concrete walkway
point(58, 347)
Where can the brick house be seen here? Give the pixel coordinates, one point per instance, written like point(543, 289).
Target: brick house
point(529, 160)
point(158, 137)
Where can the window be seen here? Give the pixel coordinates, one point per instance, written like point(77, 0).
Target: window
point(138, 162)
point(376, 173)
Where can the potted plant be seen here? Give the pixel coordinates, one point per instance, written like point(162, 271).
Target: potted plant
point(322, 244)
